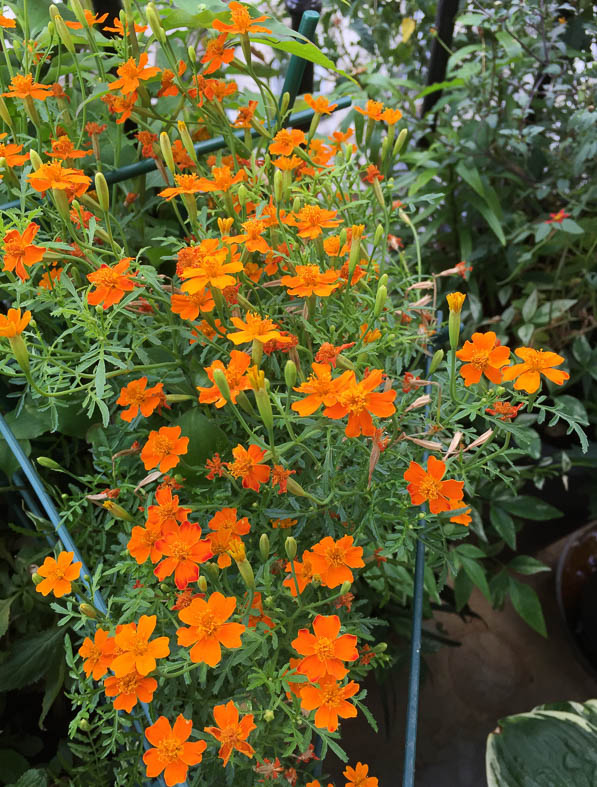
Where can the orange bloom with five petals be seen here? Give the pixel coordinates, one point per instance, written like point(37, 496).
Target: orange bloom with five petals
point(324, 651)
point(231, 732)
point(427, 486)
point(330, 700)
point(359, 401)
point(535, 363)
point(286, 140)
point(483, 355)
point(23, 86)
point(172, 752)
point(236, 378)
point(136, 396)
point(98, 654)
point(320, 105)
point(310, 280)
point(130, 74)
point(332, 561)
point(19, 250)
point(320, 389)
point(183, 550)
point(248, 466)
point(58, 574)
point(111, 284)
point(358, 776)
point(164, 448)
point(130, 689)
point(209, 628)
point(255, 328)
point(134, 649)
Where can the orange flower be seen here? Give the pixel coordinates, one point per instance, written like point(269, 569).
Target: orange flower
point(286, 140)
point(328, 354)
point(332, 560)
point(130, 689)
point(505, 410)
point(189, 306)
point(184, 550)
point(11, 153)
point(167, 511)
point(6, 21)
point(142, 543)
point(311, 219)
point(257, 616)
point(12, 324)
point(391, 116)
point(91, 19)
point(215, 467)
point(483, 355)
point(98, 654)
point(118, 28)
point(231, 732)
point(216, 54)
point(331, 700)
point(287, 164)
point(63, 148)
point(304, 573)
point(428, 486)
point(320, 105)
point(325, 651)
point(120, 105)
point(139, 397)
point(309, 280)
point(134, 649)
point(58, 574)
point(111, 284)
point(283, 524)
point(460, 519)
point(235, 376)
point(245, 115)
point(130, 74)
point(535, 363)
point(358, 776)
point(247, 465)
point(255, 328)
point(241, 21)
point(227, 520)
point(372, 174)
point(252, 236)
point(373, 110)
point(223, 179)
point(164, 448)
point(185, 184)
point(55, 176)
point(172, 753)
point(321, 389)
point(208, 629)
point(358, 401)
point(280, 476)
point(23, 86)
point(20, 251)
point(210, 266)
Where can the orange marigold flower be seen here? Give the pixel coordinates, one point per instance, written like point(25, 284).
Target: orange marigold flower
point(130, 689)
point(248, 466)
point(455, 301)
point(95, 129)
point(309, 280)
point(344, 601)
point(330, 700)
point(332, 560)
point(6, 21)
point(258, 615)
point(55, 176)
point(164, 448)
point(245, 115)
point(241, 21)
point(230, 732)
point(252, 237)
point(506, 411)
point(208, 629)
point(134, 649)
point(460, 519)
point(130, 74)
point(255, 328)
point(216, 54)
point(215, 467)
point(304, 573)
point(136, 396)
point(185, 184)
point(63, 148)
point(23, 86)
point(12, 324)
point(120, 105)
point(280, 476)
point(369, 336)
point(373, 110)
point(167, 511)
point(19, 250)
point(327, 353)
point(287, 163)
point(557, 218)
point(427, 486)
point(119, 29)
point(358, 776)
point(184, 550)
point(321, 389)
point(111, 284)
point(358, 401)
point(391, 116)
point(235, 375)
point(11, 153)
point(372, 174)
point(211, 266)
point(483, 355)
point(146, 140)
point(324, 651)
point(142, 543)
point(58, 573)
point(172, 753)
point(283, 524)
point(98, 654)
point(286, 140)
point(227, 520)
point(311, 219)
point(180, 156)
point(320, 105)
point(535, 363)
point(271, 770)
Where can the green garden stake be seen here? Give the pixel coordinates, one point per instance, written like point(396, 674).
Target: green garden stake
point(296, 67)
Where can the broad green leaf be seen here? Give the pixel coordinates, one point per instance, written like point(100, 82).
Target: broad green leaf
point(205, 438)
point(529, 507)
point(12, 765)
point(548, 312)
point(441, 86)
point(470, 19)
point(463, 587)
point(30, 422)
point(504, 524)
point(526, 602)
point(542, 231)
point(581, 349)
point(476, 574)
point(492, 220)
point(571, 227)
point(529, 307)
point(5, 614)
point(304, 49)
point(54, 681)
point(524, 564)
point(29, 659)
point(32, 778)
point(510, 44)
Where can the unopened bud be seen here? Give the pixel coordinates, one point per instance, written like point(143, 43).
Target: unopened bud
point(202, 584)
point(45, 461)
point(383, 280)
point(192, 53)
point(379, 234)
point(380, 300)
point(379, 194)
point(35, 159)
point(295, 488)
point(88, 611)
point(278, 185)
point(102, 191)
point(296, 205)
point(62, 29)
point(400, 140)
point(246, 572)
point(284, 103)
point(19, 349)
point(243, 195)
point(84, 725)
point(381, 647)
point(118, 512)
point(438, 357)
point(221, 382)
point(212, 569)
point(269, 715)
point(166, 149)
point(153, 20)
point(264, 546)
point(345, 587)
point(4, 113)
point(290, 374)
point(186, 139)
point(290, 547)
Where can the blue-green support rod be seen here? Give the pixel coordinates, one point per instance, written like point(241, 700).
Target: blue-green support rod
point(296, 67)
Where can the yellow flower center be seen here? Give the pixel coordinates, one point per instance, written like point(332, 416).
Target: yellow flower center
point(208, 625)
point(430, 488)
point(324, 649)
point(480, 359)
point(336, 556)
point(162, 446)
point(170, 749)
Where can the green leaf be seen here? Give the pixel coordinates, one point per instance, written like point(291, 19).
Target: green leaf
point(526, 602)
point(471, 176)
point(32, 778)
point(8, 462)
point(5, 614)
point(205, 438)
point(30, 422)
point(524, 564)
point(470, 550)
point(548, 312)
point(476, 574)
point(573, 407)
point(492, 220)
point(29, 659)
point(581, 349)
point(12, 765)
point(504, 524)
point(470, 19)
point(529, 507)
point(510, 44)
point(529, 307)
point(462, 589)
point(54, 681)
point(458, 82)
point(571, 227)
point(542, 231)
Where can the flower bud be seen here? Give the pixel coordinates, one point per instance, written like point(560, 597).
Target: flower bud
point(84, 725)
point(290, 547)
point(243, 195)
point(45, 461)
point(344, 363)
point(455, 302)
point(202, 583)
point(278, 185)
point(77, 10)
point(345, 587)
point(153, 20)
point(264, 546)
point(269, 715)
point(186, 140)
point(379, 233)
point(212, 569)
point(35, 159)
point(379, 194)
point(62, 29)
point(88, 611)
point(400, 140)
point(295, 488)
point(380, 300)
point(438, 357)
point(19, 349)
point(381, 647)
point(296, 205)
point(284, 103)
point(221, 382)
point(246, 572)
point(37, 578)
point(118, 512)
point(290, 374)
point(166, 149)
point(4, 113)
point(102, 191)
point(258, 382)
